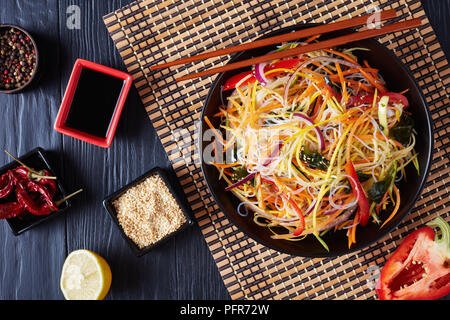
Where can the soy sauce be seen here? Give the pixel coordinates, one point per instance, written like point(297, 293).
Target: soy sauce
point(94, 102)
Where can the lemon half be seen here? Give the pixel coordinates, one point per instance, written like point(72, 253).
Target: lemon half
point(85, 276)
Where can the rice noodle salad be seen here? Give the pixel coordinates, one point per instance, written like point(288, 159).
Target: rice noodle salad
point(314, 144)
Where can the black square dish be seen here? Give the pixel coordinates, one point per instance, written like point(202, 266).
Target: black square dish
point(35, 159)
point(176, 191)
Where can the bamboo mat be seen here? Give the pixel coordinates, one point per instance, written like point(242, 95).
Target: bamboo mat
point(151, 31)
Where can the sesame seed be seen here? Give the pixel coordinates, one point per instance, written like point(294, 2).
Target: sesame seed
point(148, 212)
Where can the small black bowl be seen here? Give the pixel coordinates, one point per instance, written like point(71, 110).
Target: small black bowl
point(35, 159)
point(36, 68)
point(398, 78)
point(174, 188)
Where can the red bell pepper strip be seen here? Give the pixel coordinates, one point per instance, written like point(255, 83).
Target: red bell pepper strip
point(420, 267)
point(368, 99)
point(234, 80)
point(397, 98)
point(283, 64)
point(301, 227)
point(358, 191)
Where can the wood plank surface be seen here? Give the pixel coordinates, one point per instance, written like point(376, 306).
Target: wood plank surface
point(31, 263)
point(30, 268)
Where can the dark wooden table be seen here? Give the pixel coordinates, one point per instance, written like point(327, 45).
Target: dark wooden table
point(30, 264)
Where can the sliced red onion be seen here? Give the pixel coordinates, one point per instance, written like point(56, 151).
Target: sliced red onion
point(308, 62)
point(259, 73)
point(341, 218)
point(241, 182)
point(319, 134)
point(252, 175)
point(326, 213)
point(273, 155)
point(310, 208)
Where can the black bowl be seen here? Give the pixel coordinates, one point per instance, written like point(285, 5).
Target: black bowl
point(36, 159)
point(398, 78)
point(174, 188)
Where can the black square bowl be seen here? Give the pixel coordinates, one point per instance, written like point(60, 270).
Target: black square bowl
point(38, 160)
point(174, 188)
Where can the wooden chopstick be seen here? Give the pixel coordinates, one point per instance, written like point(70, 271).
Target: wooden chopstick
point(305, 33)
point(356, 36)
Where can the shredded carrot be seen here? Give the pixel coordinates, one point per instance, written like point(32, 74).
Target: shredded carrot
point(352, 132)
point(397, 206)
point(378, 207)
point(216, 133)
point(343, 55)
point(317, 64)
point(352, 231)
point(322, 108)
point(341, 78)
point(225, 165)
point(305, 187)
point(372, 71)
point(360, 85)
point(373, 82)
point(381, 137)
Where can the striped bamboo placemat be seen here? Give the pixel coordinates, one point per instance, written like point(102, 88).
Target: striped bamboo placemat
point(152, 31)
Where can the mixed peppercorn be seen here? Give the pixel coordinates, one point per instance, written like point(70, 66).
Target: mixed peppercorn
point(17, 58)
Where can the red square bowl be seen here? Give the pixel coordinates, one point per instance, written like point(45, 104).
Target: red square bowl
point(60, 123)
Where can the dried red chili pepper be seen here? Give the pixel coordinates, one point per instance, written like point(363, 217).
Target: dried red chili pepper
point(11, 210)
point(24, 188)
point(30, 173)
point(34, 191)
point(46, 181)
point(49, 184)
point(46, 209)
point(21, 172)
point(6, 185)
point(32, 186)
point(25, 199)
